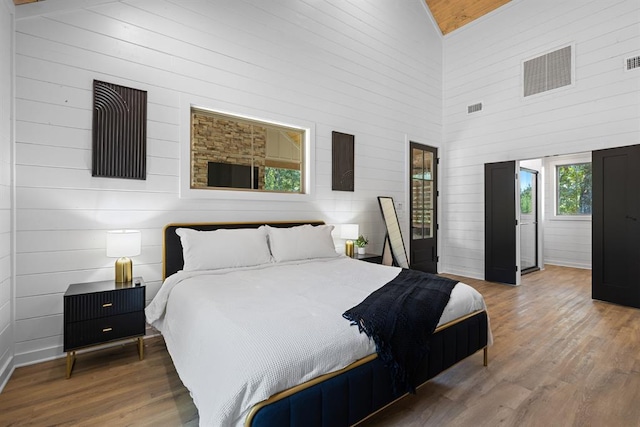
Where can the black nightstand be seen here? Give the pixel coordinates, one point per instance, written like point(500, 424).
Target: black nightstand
point(376, 259)
point(100, 312)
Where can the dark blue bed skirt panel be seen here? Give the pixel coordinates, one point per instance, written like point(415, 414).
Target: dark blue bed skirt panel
point(350, 397)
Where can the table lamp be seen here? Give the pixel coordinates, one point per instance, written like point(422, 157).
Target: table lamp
point(349, 232)
point(122, 244)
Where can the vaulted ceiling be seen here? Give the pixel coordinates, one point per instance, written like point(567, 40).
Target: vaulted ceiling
point(453, 14)
point(449, 14)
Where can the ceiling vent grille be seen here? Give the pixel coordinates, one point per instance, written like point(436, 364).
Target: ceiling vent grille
point(633, 63)
point(474, 108)
point(547, 72)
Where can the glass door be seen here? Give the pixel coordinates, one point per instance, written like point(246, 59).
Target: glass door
point(423, 194)
point(528, 220)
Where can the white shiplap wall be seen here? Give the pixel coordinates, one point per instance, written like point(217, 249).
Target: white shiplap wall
point(6, 138)
point(372, 69)
point(482, 63)
point(567, 241)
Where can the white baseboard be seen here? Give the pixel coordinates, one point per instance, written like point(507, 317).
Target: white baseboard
point(38, 356)
point(462, 272)
point(568, 264)
point(6, 372)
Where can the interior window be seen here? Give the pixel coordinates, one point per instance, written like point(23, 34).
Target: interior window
point(573, 189)
point(229, 152)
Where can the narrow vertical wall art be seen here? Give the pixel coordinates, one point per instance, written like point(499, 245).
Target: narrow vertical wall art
point(119, 131)
point(342, 163)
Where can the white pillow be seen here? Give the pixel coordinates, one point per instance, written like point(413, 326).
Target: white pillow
point(210, 250)
point(301, 242)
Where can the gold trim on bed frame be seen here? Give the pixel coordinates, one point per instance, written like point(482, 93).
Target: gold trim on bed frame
point(290, 391)
point(285, 393)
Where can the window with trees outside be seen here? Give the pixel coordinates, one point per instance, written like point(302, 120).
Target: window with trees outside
point(573, 189)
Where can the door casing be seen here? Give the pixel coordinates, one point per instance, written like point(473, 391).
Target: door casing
point(423, 253)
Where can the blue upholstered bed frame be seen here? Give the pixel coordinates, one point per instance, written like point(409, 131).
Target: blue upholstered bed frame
point(351, 395)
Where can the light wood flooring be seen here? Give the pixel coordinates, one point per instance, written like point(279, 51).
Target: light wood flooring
point(559, 359)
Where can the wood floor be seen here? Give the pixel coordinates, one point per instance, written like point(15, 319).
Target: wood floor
point(559, 359)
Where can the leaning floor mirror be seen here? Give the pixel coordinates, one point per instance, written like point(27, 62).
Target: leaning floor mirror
point(393, 241)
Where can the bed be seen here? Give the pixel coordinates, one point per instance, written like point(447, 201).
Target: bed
point(265, 344)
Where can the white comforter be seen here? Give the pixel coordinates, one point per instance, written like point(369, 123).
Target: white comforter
point(239, 336)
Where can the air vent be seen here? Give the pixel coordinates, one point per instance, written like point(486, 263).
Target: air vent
point(474, 108)
point(633, 63)
point(547, 72)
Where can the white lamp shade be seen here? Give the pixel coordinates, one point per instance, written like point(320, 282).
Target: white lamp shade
point(349, 231)
point(123, 243)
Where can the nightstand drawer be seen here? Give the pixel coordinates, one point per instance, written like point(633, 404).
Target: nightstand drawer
point(101, 330)
point(100, 312)
point(101, 304)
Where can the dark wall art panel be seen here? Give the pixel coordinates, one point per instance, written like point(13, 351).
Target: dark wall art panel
point(119, 131)
point(342, 163)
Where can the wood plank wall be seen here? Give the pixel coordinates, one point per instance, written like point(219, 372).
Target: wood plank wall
point(6, 136)
point(371, 69)
point(567, 242)
point(483, 64)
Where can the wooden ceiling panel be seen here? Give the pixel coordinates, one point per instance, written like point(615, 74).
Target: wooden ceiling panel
point(449, 14)
point(453, 14)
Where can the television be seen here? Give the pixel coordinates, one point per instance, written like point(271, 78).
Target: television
point(230, 175)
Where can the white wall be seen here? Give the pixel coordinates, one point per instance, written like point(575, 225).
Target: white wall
point(6, 138)
point(483, 62)
point(372, 69)
point(567, 240)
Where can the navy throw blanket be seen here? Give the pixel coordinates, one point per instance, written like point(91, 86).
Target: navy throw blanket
point(400, 318)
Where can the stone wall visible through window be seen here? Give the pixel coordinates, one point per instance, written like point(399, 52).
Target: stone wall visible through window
point(236, 153)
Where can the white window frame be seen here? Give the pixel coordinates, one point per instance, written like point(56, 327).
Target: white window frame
point(553, 165)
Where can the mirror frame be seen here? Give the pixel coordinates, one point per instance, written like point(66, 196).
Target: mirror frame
point(187, 101)
point(393, 239)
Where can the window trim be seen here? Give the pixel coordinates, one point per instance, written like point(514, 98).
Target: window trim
point(574, 160)
point(186, 192)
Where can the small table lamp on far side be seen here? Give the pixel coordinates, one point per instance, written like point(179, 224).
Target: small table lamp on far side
point(122, 244)
point(349, 232)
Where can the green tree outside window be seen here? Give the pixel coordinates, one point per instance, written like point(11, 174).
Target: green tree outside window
point(280, 179)
point(526, 192)
point(573, 189)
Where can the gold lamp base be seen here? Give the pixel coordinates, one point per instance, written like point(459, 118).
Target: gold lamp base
point(124, 270)
point(348, 248)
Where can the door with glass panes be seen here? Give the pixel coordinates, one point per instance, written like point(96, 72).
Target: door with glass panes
point(422, 213)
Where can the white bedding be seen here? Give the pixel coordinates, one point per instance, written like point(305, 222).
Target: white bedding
point(237, 336)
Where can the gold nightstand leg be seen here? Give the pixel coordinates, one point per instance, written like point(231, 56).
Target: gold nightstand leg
point(141, 347)
point(486, 356)
point(71, 360)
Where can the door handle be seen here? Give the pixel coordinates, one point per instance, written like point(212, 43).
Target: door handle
point(631, 218)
